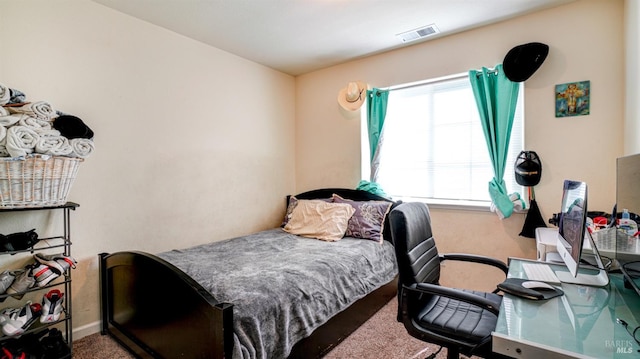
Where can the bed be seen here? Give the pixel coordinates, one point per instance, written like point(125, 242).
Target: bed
point(283, 295)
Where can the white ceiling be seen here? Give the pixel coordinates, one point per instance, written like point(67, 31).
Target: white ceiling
point(299, 36)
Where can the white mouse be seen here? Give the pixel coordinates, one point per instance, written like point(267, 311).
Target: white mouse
point(532, 284)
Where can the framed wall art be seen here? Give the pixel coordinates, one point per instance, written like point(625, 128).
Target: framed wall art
point(573, 99)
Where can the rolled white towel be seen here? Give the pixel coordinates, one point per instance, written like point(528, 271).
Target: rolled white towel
point(54, 145)
point(4, 112)
point(82, 147)
point(49, 133)
point(3, 134)
point(21, 141)
point(39, 109)
point(5, 94)
point(36, 124)
point(3, 147)
point(10, 120)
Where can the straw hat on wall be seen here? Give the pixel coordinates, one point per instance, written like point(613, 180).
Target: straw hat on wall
point(352, 96)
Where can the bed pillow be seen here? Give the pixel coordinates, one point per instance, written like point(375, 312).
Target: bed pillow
point(319, 219)
point(368, 220)
point(293, 202)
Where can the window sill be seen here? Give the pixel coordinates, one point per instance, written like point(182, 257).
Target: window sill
point(459, 205)
point(484, 206)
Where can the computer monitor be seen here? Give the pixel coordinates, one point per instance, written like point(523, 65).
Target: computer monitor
point(572, 231)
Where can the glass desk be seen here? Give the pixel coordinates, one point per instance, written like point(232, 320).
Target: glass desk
point(631, 273)
point(579, 324)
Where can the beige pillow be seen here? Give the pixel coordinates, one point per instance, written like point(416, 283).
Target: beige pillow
point(320, 219)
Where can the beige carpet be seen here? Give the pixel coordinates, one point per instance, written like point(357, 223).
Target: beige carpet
point(380, 337)
point(384, 337)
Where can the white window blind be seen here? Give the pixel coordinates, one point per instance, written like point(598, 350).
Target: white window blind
point(433, 146)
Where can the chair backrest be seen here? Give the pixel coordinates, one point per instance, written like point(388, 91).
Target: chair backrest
point(416, 251)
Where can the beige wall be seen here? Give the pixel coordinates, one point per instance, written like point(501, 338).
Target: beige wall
point(586, 43)
point(632, 58)
point(192, 143)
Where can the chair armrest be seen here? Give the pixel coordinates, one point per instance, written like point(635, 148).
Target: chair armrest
point(454, 294)
point(476, 259)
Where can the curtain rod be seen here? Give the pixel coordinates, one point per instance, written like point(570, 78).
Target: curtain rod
point(434, 81)
point(431, 81)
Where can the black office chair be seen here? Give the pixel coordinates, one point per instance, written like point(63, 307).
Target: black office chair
point(460, 320)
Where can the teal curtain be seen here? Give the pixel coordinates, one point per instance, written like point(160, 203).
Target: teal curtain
point(376, 112)
point(496, 97)
point(371, 188)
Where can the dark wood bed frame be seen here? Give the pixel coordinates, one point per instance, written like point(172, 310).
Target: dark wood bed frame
point(155, 310)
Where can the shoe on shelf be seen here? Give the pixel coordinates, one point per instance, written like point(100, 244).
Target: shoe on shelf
point(54, 346)
point(26, 346)
point(21, 319)
point(6, 279)
point(11, 354)
point(35, 274)
point(43, 274)
point(57, 262)
point(23, 282)
point(6, 313)
point(18, 241)
point(5, 246)
point(51, 306)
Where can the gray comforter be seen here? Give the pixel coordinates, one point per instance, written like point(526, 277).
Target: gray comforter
point(284, 286)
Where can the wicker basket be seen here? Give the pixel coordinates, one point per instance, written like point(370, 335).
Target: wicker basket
point(36, 181)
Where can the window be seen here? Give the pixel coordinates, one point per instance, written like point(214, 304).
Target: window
point(433, 146)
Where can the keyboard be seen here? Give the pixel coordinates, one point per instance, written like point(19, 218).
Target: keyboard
point(540, 272)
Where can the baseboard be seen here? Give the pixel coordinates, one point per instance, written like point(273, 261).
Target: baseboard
point(85, 330)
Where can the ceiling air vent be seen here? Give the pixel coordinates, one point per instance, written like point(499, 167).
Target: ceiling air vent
point(418, 33)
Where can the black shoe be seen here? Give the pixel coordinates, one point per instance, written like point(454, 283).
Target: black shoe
point(26, 347)
point(5, 246)
point(23, 240)
point(18, 241)
point(54, 346)
point(30, 343)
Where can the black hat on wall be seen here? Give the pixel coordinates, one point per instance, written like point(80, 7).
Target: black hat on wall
point(524, 60)
point(528, 168)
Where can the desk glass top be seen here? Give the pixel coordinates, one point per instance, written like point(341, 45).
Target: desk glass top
point(581, 323)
